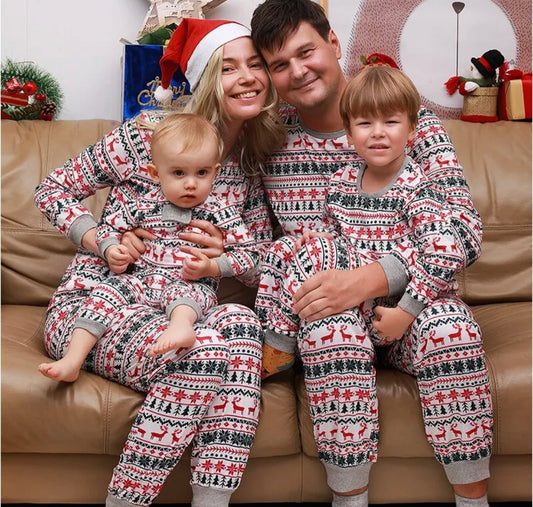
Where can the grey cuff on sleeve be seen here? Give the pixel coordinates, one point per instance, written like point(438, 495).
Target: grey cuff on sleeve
point(186, 302)
point(395, 274)
point(80, 227)
point(226, 269)
point(411, 305)
point(104, 244)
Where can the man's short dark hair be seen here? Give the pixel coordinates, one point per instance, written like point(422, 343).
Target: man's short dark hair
point(274, 21)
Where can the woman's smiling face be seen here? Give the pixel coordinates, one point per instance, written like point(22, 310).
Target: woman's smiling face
point(244, 80)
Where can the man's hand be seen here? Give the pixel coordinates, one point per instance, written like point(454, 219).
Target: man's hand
point(118, 258)
point(391, 323)
point(210, 241)
point(133, 241)
point(199, 266)
point(333, 291)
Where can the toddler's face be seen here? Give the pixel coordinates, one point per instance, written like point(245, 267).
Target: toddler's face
point(186, 178)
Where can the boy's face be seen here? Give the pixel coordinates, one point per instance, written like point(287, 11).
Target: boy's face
point(306, 70)
point(381, 141)
point(186, 178)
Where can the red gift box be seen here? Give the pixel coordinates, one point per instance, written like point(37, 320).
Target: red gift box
point(515, 98)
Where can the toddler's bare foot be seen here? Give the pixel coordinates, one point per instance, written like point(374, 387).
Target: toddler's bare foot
point(61, 370)
point(172, 340)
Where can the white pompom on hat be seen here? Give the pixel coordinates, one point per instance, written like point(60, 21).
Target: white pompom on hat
point(191, 46)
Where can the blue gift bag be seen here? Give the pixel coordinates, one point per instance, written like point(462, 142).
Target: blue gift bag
point(141, 77)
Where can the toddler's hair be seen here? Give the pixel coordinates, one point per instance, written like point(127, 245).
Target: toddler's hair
point(189, 132)
point(377, 92)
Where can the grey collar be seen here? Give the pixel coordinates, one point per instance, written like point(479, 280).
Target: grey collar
point(176, 214)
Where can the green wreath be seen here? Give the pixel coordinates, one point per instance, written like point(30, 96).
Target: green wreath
point(29, 92)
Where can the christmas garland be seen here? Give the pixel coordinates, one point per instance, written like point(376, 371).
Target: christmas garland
point(29, 92)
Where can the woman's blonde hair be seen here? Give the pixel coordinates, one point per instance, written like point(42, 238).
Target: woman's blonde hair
point(260, 136)
point(379, 91)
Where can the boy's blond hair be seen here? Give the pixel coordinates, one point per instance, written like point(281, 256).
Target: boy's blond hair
point(377, 92)
point(188, 131)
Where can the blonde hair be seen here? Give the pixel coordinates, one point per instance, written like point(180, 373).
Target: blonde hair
point(377, 92)
point(190, 131)
point(259, 137)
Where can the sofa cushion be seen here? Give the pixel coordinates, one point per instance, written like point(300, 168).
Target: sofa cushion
point(500, 181)
point(34, 254)
point(93, 415)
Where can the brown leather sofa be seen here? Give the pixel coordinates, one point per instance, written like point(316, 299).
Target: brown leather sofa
point(61, 441)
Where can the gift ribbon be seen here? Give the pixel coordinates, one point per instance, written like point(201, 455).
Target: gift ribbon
point(521, 109)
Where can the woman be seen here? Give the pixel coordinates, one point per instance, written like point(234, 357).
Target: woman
point(208, 394)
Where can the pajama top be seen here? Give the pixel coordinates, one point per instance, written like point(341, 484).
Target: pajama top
point(162, 259)
point(298, 176)
point(410, 209)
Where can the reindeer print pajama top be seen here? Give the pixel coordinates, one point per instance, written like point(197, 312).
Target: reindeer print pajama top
point(155, 278)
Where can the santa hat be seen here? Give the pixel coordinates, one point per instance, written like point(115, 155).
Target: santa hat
point(488, 63)
point(191, 46)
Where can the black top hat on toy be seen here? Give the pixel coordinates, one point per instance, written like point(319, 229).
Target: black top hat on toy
point(488, 63)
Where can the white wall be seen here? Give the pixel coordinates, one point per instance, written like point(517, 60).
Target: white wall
point(78, 41)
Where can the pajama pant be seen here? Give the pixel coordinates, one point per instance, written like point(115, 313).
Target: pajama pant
point(442, 349)
point(207, 395)
point(158, 289)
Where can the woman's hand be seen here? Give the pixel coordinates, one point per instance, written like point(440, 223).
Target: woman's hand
point(88, 241)
point(133, 241)
point(210, 241)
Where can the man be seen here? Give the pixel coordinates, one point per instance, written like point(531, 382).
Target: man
point(302, 54)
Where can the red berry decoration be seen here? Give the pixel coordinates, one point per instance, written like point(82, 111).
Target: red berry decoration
point(29, 88)
point(40, 96)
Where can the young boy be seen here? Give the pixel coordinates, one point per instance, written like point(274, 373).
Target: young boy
point(375, 205)
point(186, 152)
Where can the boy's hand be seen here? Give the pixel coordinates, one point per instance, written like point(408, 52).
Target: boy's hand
point(118, 258)
point(391, 323)
point(199, 266)
point(309, 235)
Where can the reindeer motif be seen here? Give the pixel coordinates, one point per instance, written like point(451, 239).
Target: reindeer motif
point(442, 434)
point(222, 406)
point(469, 332)
point(457, 334)
point(328, 337)
point(159, 436)
point(237, 408)
point(336, 144)
point(455, 431)
point(322, 144)
point(311, 343)
point(308, 144)
point(361, 432)
point(175, 436)
point(251, 410)
point(434, 340)
point(441, 162)
point(437, 247)
point(119, 161)
point(473, 431)
point(345, 336)
point(296, 144)
point(346, 434)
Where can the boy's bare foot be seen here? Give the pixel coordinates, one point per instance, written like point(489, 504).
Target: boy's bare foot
point(173, 340)
point(61, 370)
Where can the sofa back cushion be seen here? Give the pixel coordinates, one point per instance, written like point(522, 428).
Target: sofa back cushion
point(496, 158)
point(34, 253)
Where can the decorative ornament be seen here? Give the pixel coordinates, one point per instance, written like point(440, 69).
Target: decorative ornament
point(164, 16)
point(29, 92)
